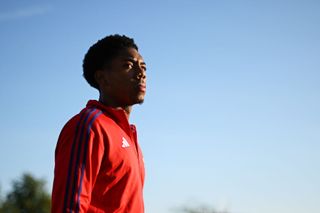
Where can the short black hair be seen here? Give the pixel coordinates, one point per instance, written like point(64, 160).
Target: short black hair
point(102, 52)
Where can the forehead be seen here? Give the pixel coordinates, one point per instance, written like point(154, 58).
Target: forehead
point(129, 53)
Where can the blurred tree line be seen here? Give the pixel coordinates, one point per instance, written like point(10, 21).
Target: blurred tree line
point(199, 209)
point(28, 195)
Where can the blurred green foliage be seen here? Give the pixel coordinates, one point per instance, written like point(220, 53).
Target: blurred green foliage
point(198, 209)
point(28, 195)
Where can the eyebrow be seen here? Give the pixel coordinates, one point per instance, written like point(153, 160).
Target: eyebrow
point(133, 60)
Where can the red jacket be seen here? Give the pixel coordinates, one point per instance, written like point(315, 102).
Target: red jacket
point(98, 164)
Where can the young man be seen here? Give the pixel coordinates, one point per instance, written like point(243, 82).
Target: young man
point(98, 162)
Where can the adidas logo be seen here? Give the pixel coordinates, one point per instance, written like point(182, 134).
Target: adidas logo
point(125, 143)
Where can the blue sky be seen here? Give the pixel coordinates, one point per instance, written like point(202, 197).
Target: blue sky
point(231, 117)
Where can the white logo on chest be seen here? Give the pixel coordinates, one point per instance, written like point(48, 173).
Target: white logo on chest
point(125, 143)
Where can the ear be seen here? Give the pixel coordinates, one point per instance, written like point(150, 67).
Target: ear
point(101, 78)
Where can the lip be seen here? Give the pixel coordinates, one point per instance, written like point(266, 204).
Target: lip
point(142, 87)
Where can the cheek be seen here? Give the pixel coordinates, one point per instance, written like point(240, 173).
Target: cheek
point(124, 84)
point(131, 75)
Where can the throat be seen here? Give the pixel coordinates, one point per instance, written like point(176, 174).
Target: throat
point(109, 103)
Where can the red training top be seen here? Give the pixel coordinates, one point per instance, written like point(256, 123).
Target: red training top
point(98, 164)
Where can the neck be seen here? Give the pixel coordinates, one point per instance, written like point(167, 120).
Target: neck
point(113, 104)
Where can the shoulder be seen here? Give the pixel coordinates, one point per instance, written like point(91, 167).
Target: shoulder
point(84, 119)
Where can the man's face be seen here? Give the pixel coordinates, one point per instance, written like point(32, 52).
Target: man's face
point(125, 79)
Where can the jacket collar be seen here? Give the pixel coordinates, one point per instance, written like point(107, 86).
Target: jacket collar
point(118, 115)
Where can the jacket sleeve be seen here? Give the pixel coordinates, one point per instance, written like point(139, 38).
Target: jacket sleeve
point(78, 158)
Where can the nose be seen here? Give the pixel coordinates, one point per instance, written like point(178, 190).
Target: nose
point(141, 73)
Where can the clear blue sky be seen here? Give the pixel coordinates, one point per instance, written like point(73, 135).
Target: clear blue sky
point(232, 113)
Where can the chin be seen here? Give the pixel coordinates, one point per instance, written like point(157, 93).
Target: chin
point(136, 99)
point(139, 100)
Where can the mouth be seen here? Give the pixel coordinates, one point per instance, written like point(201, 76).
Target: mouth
point(142, 87)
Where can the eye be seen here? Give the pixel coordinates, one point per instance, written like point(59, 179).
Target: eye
point(144, 67)
point(128, 66)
